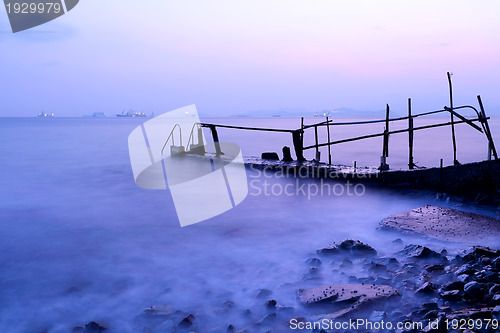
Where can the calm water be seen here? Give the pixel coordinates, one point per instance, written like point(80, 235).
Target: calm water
point(79, 241)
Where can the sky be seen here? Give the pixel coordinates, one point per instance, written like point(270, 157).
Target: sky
point(237, 57)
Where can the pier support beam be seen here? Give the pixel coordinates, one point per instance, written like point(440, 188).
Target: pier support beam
point(385, 149)
point(411, 165)
point(455, 161)
point(484, 121)
point(215, 137)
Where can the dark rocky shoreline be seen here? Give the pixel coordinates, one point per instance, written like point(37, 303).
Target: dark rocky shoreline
point(413, 285)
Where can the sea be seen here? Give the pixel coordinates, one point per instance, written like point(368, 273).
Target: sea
point(81, 242)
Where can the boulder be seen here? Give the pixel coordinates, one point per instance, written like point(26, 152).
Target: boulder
point(444, 224)
point(349, 247)
point(421, 252)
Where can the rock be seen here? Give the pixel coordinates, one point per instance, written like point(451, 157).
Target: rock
point(345, 298)
point(452, 295)
point(397, 241)
point(457, 285)
point(264, 293)
point(378, 316)
point(314, 262)
point(475, 290)
point(351, 247)
point(444, 224)
point(464, 278)
point(427, 288)
point(471, 313)
point(465, 269)
point(94, 327)
point(346, 263)
point(187, 322)
point(270, 156)
point(431, 315)
point(430, 306)
point(421, 252)
point(434, 268)
point(271, 304)
point(475, 252)
point(495, 313)
point(391, 263)
point(495, 300)
point(230, 329)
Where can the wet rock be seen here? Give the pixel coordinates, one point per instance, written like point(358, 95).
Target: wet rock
point(391, 263)
point(430, 315)
point(186, 322)
point(345, 298)
point(475, 290)
point(378, 316)
point(270, 156)
point(430, 306)
point(349, 247)
point(475, 252)
point(495, 300)
point(94, 327)
point(230, 329)
point(427, 288)
point(271, 304)
point(421, 252)
point(444, 224)
point(346, 263)
point(495, 313)
point(314, 262)
point(452, 295)
point(456, 285)
point(471, 313)
point(435, 268)
point(465, 269)
point(397, 241)
point(464, 278)
point(495, 289)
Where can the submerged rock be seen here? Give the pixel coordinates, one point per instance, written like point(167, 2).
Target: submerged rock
point(94, 327)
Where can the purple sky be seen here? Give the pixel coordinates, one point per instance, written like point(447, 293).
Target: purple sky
point(231, 57)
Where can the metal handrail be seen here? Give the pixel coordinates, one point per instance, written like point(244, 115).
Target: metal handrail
point(170, 135)
point(191, 134)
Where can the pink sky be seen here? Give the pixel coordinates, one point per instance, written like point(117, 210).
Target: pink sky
point(231, 57)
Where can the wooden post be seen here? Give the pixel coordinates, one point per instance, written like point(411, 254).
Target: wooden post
point(441, 173)
point(298, 145)
point(410, 136)
point(486, 127)
point(385, 148)
point(215, 137)
point(317, 143)
point(455, 161)
point(329, 146)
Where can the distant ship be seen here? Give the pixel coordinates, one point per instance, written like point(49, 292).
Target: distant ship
point(45, 115)
point(132, 114)
point(323, 114)
point(95, 115)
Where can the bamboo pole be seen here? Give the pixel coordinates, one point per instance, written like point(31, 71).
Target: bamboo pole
point(410, 137)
